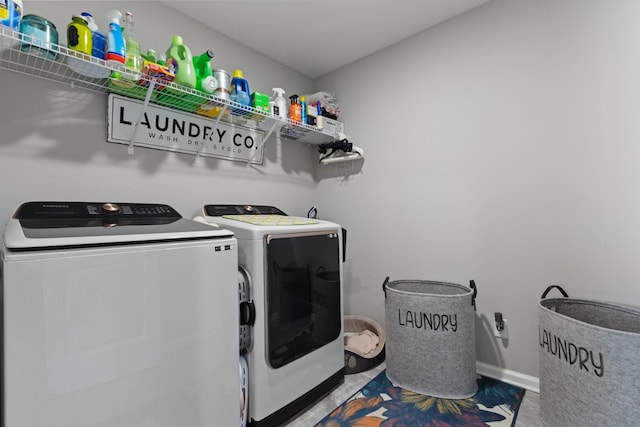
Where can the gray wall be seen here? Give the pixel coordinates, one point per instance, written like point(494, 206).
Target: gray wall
point(501, 146)
point(53, 144)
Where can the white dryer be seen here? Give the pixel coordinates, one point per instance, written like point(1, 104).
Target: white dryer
point(294, 266)
point(118, 315)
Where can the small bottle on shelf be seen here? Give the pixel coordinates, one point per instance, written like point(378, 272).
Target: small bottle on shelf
point(295, 113)
point(303, 110)
point(319, 117)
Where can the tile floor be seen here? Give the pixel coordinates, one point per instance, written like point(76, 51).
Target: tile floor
point(527, 416)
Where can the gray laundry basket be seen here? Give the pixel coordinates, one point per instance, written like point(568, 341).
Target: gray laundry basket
point(430, 346)
point(589, 370)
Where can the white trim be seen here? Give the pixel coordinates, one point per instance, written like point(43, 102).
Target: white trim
point(508, 376)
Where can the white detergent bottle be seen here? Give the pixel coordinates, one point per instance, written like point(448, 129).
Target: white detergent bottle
point(279, 103)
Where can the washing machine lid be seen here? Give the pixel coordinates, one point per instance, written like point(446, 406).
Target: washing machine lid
point(223, 210)
point(257, 221)
point(39, 225)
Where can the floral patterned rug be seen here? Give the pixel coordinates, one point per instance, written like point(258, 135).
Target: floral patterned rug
point(381, 404)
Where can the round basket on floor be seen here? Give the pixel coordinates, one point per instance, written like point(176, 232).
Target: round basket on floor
point(355, 361)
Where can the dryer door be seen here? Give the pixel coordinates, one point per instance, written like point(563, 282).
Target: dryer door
point(303, 294)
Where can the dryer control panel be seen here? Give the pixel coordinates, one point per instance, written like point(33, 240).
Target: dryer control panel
point(221, 210)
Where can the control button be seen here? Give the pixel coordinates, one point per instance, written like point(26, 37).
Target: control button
point(110, 208)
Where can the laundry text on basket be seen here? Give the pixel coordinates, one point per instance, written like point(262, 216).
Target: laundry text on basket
point(432, 321)
point(570, 352)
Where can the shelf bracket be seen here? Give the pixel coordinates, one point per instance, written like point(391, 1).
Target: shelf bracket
point(147, 98)
point(275, 123)
point(215, 126)
point(264, 141)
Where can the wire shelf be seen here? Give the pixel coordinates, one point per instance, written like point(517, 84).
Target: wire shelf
point(21, 53)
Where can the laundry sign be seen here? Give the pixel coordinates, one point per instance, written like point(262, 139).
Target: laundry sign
point(163, 128)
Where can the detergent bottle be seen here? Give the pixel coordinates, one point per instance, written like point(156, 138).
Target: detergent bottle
point(240, 89)
point(279, 107)
point(240, 92)
point(98, 40)
point(205, 81)
point(11, 13)
point(116, 49)
point(180, 60)
point(79, 37)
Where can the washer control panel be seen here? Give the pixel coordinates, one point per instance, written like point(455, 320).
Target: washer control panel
point(220, 210)
point(87, 214)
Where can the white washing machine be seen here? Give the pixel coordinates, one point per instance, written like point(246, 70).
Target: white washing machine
point(118, 315)
point(294, 265)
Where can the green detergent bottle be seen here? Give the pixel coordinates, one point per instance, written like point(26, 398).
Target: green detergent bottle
point(180, 61)
point(205, 81)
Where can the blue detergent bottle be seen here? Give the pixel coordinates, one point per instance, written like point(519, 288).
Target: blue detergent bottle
point(99, 44)
point(11, 13)
point(240, 92)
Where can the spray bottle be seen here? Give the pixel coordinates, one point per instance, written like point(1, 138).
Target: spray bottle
point(279, 104)
point(116, 51)
point(205, 81)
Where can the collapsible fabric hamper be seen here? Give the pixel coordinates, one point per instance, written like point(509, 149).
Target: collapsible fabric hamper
point(589, 362)
point(430, 345)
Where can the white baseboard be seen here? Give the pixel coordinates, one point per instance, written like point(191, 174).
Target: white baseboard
point(527, 382)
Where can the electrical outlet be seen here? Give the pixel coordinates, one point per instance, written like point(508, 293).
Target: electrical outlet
point(504, 333)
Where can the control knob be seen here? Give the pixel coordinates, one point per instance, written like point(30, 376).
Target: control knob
point(110, 208)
